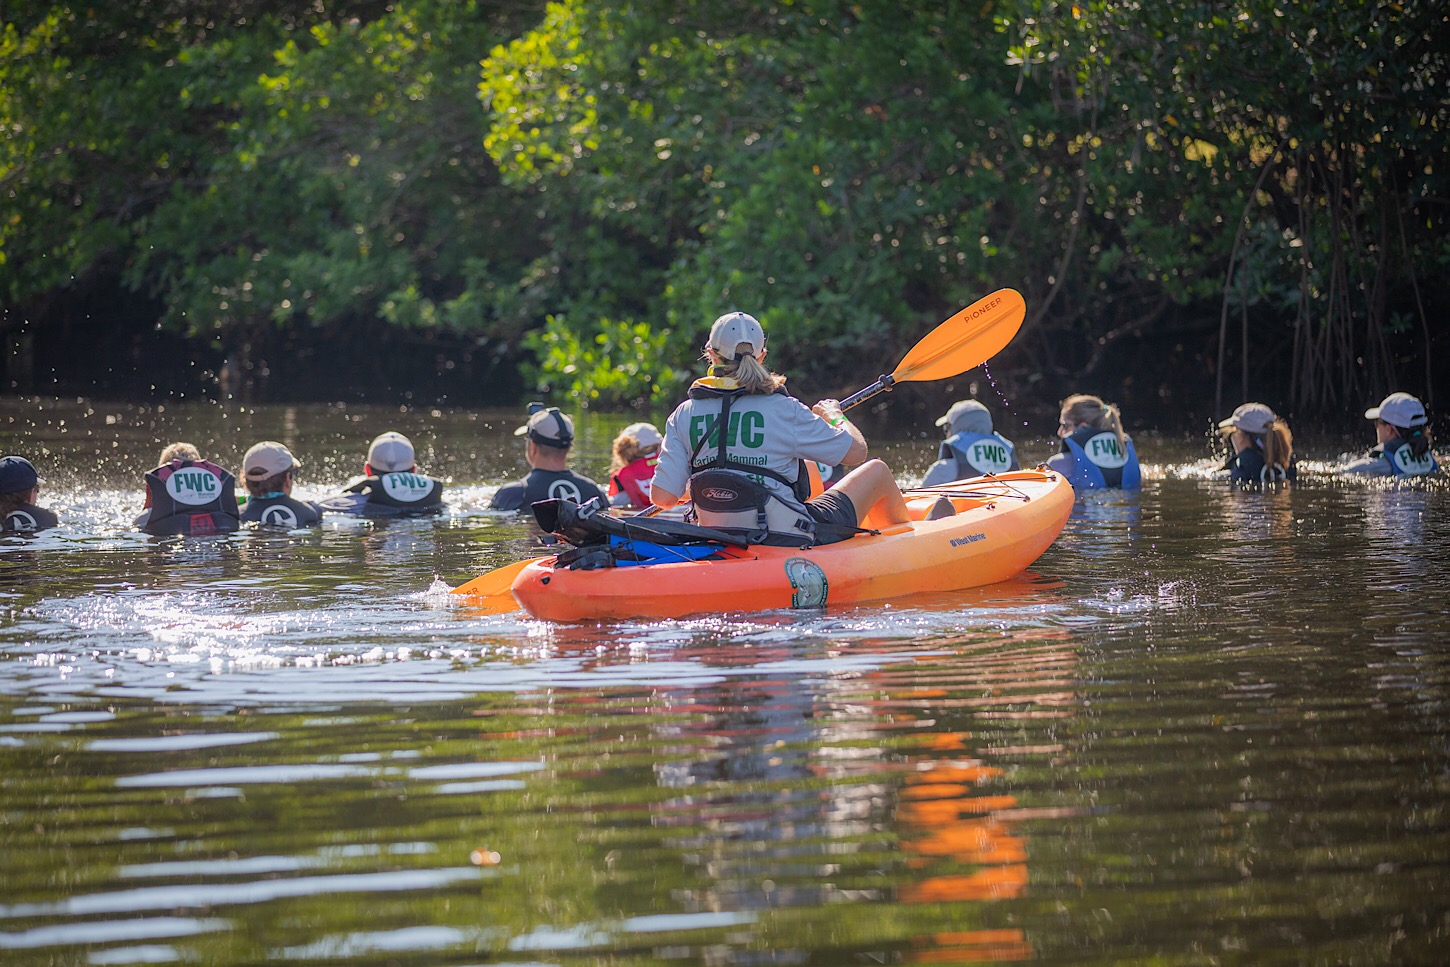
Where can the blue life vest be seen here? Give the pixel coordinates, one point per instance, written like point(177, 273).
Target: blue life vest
point(1247, 467)
point(1403, 462)
point(1097, 461)
point(191, 498)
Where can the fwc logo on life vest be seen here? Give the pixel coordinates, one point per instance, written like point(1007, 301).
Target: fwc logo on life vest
point(193, 486)
point(406, 488)
point(1105, 451)
point(1409, 465)
point(991, 457)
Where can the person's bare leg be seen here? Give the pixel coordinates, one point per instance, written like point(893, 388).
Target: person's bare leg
point(872, 487)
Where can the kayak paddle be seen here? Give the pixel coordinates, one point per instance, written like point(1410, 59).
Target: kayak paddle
point(495, 584)
point(969, 338)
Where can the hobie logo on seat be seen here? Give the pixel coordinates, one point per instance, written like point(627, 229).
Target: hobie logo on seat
point(406, 487)
point(193, 486)
point(719, 493)
point(1103, 450)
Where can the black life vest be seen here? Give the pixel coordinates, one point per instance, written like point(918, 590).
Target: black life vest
point(281, 511)
point(192, 498)
point(400, 494)
point(28, 519)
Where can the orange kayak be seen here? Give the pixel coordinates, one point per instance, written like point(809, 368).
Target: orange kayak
point(1002, 523)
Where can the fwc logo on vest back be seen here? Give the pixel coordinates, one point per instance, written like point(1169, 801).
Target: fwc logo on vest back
point(992, 457)
point(1410, 465)
point(406, 487)
point(1103, 450)
point(193, 486)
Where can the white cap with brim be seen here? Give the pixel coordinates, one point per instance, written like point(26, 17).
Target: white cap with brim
point(967, 416)
point(1399, 409)
point(645, 434)
point(391, 452)
point(267, 459)
point(550, 428)
point(1253, 418)
point(733, 330)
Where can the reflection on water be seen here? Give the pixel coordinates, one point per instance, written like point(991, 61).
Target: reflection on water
point(1210, 726)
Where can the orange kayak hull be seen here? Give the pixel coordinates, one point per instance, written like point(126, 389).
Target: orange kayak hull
point(1003, 523)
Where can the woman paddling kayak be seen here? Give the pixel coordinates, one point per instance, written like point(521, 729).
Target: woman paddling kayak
point(752, 475)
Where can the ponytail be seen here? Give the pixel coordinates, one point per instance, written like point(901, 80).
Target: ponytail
point(1418, 437)
point(750, 374)
point(1278, 446)
point(1091, 410)
point(1113, 420)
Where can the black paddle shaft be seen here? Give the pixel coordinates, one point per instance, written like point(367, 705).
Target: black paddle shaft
point(883, 384)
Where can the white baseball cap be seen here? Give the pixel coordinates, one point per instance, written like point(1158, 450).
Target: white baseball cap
point(391, 452)
point(267, 459)
point(645, 434)
point(732, 329)
point(967, 416)
point(1253, 418)
point(1399, 409)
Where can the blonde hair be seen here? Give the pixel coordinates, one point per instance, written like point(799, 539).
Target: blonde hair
point(1092, 411)
point(749, 373)
point(627, 450)
point(178, 451)
point(1277, 447)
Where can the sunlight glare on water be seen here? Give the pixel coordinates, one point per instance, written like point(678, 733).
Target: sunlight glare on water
point(1207, 726)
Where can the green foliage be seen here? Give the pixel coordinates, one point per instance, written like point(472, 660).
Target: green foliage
point(607, 363)
point(850, 174)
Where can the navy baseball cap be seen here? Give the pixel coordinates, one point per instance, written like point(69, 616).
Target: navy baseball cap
point(17, 475)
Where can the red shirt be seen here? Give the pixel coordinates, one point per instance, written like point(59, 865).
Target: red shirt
point(634, 480)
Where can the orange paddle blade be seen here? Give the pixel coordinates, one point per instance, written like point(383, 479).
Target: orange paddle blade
point(967, 339)
point(496, 584)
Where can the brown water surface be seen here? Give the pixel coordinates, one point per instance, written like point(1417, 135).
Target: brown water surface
point(1209, 727)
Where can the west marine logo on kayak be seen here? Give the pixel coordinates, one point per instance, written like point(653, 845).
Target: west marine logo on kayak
point(746, 429)
point(966, 539)
point(1105, 451)
point(193, 486)
point(406, 488)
